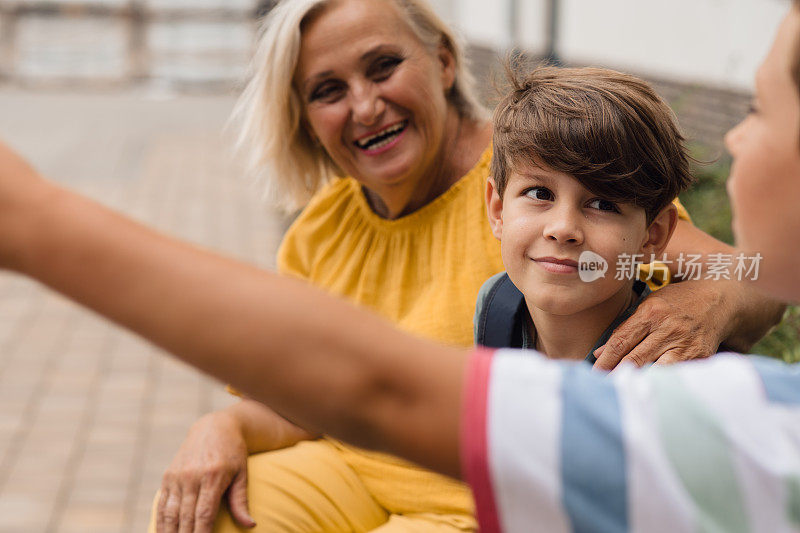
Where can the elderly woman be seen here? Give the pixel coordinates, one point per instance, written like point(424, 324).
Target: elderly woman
point(364, 112)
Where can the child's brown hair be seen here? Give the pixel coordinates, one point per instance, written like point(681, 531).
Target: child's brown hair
point(609, 130)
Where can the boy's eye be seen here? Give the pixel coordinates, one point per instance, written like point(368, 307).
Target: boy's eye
point(539, 193)
point(383, 67)
point(603, 205)
point(327, 91)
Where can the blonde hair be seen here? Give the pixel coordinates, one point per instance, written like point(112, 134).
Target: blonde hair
point(277, 149)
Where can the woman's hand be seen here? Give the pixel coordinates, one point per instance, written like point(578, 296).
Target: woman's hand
point(689, 320)
point(212, 463)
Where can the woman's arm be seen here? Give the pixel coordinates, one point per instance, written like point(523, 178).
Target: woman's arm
point(277, 339)
point(692, 318)
point(750, 314)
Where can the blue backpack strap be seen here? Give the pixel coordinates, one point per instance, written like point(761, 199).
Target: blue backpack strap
point(500, 322)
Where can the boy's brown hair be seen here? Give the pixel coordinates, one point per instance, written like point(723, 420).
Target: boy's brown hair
point(609, 130)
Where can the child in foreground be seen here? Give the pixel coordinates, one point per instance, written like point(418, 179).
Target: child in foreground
point(712, 445)
point(586, 163)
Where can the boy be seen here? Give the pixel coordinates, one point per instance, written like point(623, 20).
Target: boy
point(585, 165)
point(712, 445)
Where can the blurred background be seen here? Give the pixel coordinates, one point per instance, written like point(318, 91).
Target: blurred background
point(126, 101)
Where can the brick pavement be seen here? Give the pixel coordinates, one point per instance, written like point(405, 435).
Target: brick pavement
point(90, 415)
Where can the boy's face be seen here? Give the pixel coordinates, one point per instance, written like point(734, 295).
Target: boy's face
point(764, 184)
point(546, 219)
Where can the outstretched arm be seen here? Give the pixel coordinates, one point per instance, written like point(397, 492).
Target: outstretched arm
point(316, 360)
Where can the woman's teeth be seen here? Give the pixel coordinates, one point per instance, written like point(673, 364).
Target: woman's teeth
point(381, 138)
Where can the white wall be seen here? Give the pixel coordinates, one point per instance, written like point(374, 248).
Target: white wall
point(445, 8)
point(715, 41)
point(719, 42)
point(531, 25)
point(484, 22)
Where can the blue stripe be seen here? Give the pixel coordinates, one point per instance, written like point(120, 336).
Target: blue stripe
point(781, 380)
point(594, 480)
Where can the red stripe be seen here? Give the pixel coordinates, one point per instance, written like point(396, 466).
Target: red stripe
point(475, 442)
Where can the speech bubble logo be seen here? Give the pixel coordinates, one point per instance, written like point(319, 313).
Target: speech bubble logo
point(591, 266)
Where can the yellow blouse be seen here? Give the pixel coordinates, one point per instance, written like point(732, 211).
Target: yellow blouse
point(421, 271)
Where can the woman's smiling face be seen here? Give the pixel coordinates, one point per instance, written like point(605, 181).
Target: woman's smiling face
point(764, 184)
point(373, 95)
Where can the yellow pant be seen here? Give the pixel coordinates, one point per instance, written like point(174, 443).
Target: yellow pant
point(310, 488)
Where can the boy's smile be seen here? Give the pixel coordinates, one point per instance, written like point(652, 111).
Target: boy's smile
point(548, 219)
point(586, 163)
point(557, 266)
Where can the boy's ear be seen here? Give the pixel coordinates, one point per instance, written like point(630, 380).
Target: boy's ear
point(494, 208)
point(660, 231)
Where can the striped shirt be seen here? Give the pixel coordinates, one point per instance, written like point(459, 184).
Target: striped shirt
point(705, 446)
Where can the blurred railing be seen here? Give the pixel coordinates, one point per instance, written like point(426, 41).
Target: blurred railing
point(204, 45)
point(182, 43)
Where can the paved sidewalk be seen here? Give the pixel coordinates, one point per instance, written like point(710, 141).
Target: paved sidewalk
point(89, 414)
